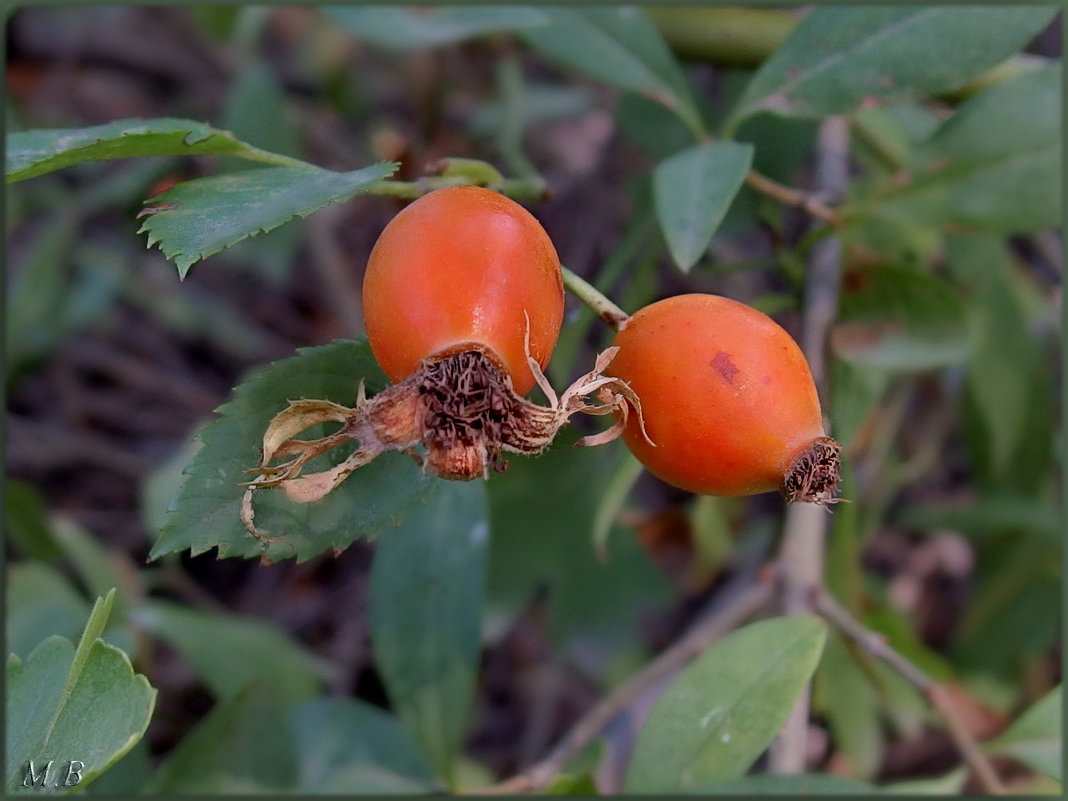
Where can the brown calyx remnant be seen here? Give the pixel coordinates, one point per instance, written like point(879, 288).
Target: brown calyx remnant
point(813, 476)
point(459, 408)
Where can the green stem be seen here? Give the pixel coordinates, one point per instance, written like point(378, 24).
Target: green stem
point(742, 37)
point(592, 297)
point(277, 159)
point(515, 188)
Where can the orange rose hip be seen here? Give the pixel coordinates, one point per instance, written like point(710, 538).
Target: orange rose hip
point(728, 399)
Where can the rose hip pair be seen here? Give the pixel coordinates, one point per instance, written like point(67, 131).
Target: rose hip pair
point(463, 303)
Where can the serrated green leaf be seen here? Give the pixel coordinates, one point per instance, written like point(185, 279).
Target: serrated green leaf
point(838, 58)
point(996, 164)
point(723, 710)
point(619, 46)
point(206, 510)
point(206, 215)
point(1035, 738)
point(70, 704)
point(345, 746)
point(408, 28)
point(693, 190)
point(40, 602)
point(243, 746)
point(426, 594)
point(809, 784)
point(895, 318)
point(33, 153)
point(228, 652)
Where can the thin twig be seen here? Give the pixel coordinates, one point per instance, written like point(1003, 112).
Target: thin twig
point(704, 633)
point(935, 693)
point(592, 297)
point(802, 552)
point(793, 197)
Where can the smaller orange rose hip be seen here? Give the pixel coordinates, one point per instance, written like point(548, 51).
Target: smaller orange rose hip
point(728, 399)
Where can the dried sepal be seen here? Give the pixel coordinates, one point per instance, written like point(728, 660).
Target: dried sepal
point(460, 409)
point(813, 476)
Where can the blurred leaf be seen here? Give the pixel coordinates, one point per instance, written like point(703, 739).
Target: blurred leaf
point(951, 783)
point(996, 164)
point(724, 709)
point(1008, 383)
point(619, 46)
point(206, 509)
point(65, 704)
point(811, 784)
point(412, 28)
point(838, 58)
point(988, 516)
point(539, 547)
point(100, 568)
point(856, 390)
point(161, 485)
point(693, 190)
point(257, 110)
point(651, 127)
point(1015, 603)
point(38, 289)
point(228, 652)
point(541, 102)
point(127, 776)
point(345, 746)
point(40, 602)
point(243, 746)
point(1035, 738)
point(843, 693)
point(33, 153)
point(620, 484)
point(206, 215)
point(899, 319)
point(25, 521)
point(426, 594)
point(565, 784)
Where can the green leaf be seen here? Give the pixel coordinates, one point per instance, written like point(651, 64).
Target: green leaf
point(811, 784)
point(257, 110)
point(1035, 738)
point(900, 319)
point(988, 516)
point(619, 46)
point(206, 215)
point(693, 190)
point(951, 783)
point(25, 520)
point(84, 705)
point(229, 651)
point(426, 593)
point(33, 153)
point(565, 784)
point(722, 711)
point(410, 28)
point(100, 569)
point(843, 693)
point(243, 746)
point(345, 746)
point(1008, 382)
point(996, 164)
point(206, 510)
point(539, 547)
point(40, 602)
point(839, 58)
